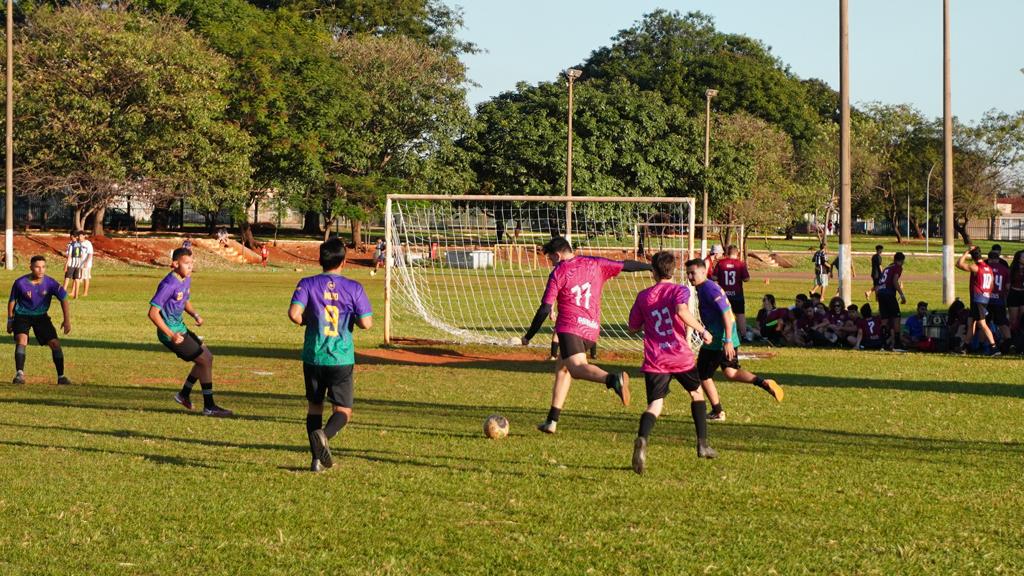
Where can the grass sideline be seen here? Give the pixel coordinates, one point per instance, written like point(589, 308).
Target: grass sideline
point(875, 463)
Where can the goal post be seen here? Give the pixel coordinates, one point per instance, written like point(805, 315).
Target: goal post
point(469, 268)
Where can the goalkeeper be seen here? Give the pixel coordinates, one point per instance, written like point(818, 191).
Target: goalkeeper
point(576, 284)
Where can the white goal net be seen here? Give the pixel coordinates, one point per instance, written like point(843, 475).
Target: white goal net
point(469, 269)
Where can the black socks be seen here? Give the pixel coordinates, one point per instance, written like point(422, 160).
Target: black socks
point(553, 414)
point(647, 421)
point(313, 423)
point(186, 389)
point(554, 349)
point(759, 382)
point(58, 360)
point(700, 420)
point(207, 394)
point(335, 423)
point(609, 380)
point(716, 408)
point(19, 358)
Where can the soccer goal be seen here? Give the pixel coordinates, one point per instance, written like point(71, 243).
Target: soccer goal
point(469, 269)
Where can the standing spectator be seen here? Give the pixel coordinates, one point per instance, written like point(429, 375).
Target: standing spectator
point(982, 282)
point(876, 271)
point(711, 262)
point(914, 328)
point(73, 264)
point(998, 250)
point(821, 269)
point(890, 283)
point(517, 231)
point(187, 243)
point(88, 252)
point(1015, 299)
point(1000, 292)
point(730, 274)
point(379, 255)
point(499, 229)
point(264, 254)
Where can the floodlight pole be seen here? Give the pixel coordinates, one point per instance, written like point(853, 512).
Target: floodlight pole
point(845, 213)
point(927, 208)
point(948, 288)
point(708, 95)
point(571, 74)
point(9, 204)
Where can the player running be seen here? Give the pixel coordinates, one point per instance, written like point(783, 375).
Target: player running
point(717, 315)
point(661, 311)
point(576, 284)
point(173, 296)
point(982, 282)
point(730, 273)
point(28, 308)
point(329, 306)
point(889, 284)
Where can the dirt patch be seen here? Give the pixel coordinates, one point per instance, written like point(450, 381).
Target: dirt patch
point(434, 353)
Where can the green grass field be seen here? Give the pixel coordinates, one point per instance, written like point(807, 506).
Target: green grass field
point(875, 463)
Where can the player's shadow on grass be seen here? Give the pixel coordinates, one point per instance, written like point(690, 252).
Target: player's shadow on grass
point(122, 406)
point(155, 458)
point(254, 351)
point(946, 387)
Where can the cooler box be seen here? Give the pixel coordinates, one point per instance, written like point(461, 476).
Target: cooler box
point(473, 259)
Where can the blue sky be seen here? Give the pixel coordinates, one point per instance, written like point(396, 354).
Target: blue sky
point(895, 45)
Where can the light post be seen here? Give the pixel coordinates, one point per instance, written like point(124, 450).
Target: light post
point(571, 74)
point(845, 212)
point(708, 95)
point(927, 211)
point(948, 288)
point(9, 208)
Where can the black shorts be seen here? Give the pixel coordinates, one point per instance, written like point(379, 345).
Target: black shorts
point(710, 360)
point(41, 325)
point(189, 349)
point(979, 310)
point(571, 344)
point(997, 312)
point(73, 273)
point(888, 305)
point(334, 382)
point(657, 384)
point(872, 344)
point(1015, 299)
point(738, 304)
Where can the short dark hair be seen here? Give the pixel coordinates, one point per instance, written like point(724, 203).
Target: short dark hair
point(835, 300)
point(37, 258)
point(770, 298)
point(332, 253)
point(976, 254)
point(556, 245)
point(664, 264)
point(732, 249)
point(821, 246)
point(865, 310)
point(179, 252)
point(696, 262)
point(852, 308)
point(878, 247)
point(899, 257)
point(997, 248)
point(922, 303)
point(993, 255)
point(815, 295)
point(801, 297)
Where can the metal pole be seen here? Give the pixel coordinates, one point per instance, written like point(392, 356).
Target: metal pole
point(389, 249)
point(948, 288)
point(708, 95)
point(571, 74)
point(908, 215)
point(845, 213)
point(9, 209)
point(927, 208)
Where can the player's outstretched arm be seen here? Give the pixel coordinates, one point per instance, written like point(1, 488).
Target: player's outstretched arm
point(636, 266)
point(538, 321)
point(158, 321)
point(962, 262)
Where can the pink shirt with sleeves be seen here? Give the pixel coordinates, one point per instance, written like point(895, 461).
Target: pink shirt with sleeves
point(576, 285)
point(666, 350)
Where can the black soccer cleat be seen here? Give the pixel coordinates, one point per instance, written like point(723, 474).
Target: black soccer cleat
point(19, 378)
point(621, 387)
point(63, 381)
point(321, 449)
point(315, 466)
point(640, 455)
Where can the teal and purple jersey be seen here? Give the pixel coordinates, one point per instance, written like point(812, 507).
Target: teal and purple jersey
point(31, 299)
point(330, 306)
point(713, 306)
point(171, 296)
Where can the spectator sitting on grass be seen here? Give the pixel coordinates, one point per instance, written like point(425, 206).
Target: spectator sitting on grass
point(771, 321)
point(914, 329)
point(851, 333)
point(873, 330)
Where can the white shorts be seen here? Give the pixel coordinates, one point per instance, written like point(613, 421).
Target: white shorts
point(87, 273)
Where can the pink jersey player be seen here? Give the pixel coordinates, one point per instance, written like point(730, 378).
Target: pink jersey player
point(576, 285)
point(666, 350)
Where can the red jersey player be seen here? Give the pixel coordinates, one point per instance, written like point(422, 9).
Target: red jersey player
point(661, 312)
point(982, 283)
point(730, 273)
point(890, 284)
point(1000, 292)
point(576, 284)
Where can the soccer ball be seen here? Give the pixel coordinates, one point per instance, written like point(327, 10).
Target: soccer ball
point(495, 426)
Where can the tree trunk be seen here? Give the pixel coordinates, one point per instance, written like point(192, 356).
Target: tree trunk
point(97, 222)
point(76, 223)
point(357, 233)
point(327, 226)
point(311, 223)
point(245, 231)
point(790, 231)
point(960, 227)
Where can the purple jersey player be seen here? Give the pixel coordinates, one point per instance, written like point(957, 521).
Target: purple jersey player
point(662, 312)
point(174, 297)
point(27, 310)
point(329, 306)
point(576, 284)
